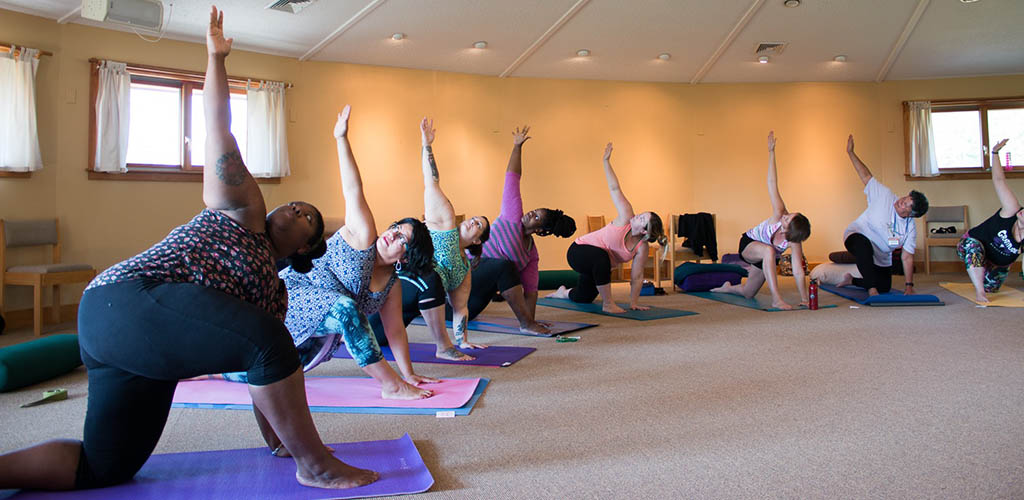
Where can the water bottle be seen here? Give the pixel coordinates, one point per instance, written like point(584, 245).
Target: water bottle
point(812, 295)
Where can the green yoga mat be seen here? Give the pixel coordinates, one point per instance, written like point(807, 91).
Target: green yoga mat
point(652, 313)
point(551, 280)
point(756, 302)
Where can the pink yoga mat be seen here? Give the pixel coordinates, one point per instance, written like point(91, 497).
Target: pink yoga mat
point(330, 391)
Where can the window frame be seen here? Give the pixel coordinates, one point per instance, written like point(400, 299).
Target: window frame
point(186, 81)
point(982, 106)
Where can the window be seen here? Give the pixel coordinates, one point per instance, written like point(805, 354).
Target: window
point(167, 128)
point(965, 130)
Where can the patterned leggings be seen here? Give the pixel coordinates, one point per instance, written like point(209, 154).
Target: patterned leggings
point(344, 324)
point(972, 252)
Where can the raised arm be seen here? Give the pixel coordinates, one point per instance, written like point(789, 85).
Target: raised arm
point(227, 184)
point(621, 203)
point(360, 231)
point(1009, 202)
point(515, 160)
point(778, 207)
point(438, 211)
point(862, 169)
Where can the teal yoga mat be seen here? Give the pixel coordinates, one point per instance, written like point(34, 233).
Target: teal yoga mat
point(892, 298)
point(756, 302)
point(653, 313)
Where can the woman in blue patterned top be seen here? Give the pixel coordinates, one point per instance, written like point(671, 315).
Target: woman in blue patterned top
point(451, 241)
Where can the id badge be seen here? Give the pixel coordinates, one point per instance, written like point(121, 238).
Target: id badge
point(894, 242)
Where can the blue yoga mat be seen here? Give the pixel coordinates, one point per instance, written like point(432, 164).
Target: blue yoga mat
point(755, 302)
point(461, 411)
point(652, 313)
point(254, 473)
point(495, 355)
point(889, 299)
point(496, 324)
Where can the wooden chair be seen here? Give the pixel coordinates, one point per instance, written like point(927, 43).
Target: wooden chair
point(955, 215)
point(675, 253)
point(38, 233)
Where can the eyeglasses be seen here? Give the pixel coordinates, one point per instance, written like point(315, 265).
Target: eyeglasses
point(401, 236)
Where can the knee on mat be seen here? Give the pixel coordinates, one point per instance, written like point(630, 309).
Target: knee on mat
point(101, 474)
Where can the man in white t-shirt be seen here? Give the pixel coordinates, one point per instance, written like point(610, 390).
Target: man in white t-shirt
point(887, 224)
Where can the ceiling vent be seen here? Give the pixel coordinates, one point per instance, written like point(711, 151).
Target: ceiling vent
point(770, 48)
point(289, 6)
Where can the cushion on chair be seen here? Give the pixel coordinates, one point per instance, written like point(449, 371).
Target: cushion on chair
point(24, 233)
point(843, 257)
point(704, 282)
point(49, 268)
point(37, 361)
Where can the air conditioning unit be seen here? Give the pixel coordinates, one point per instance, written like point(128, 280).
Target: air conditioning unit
point(145, 14)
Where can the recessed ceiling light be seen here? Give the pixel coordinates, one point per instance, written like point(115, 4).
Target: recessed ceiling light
point(763, 59)
point(480, 45)
point(398, 36)
point(839, 58)
point(793, 3)
point(583, 52)
point(664, 56)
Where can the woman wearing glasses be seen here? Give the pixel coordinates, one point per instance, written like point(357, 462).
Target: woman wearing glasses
point(328, 306)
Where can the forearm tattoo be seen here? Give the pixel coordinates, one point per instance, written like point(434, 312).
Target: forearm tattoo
point(460, 330)
point(231, 169)
point(433, 164)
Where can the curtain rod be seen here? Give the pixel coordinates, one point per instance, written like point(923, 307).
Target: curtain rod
point(195, 76)
point(8, 45)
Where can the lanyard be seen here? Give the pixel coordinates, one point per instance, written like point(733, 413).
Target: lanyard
point(892, 228)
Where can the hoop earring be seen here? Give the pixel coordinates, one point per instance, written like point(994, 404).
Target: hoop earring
point(398, 265)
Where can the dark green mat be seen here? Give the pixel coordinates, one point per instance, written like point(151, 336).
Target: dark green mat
point(756, 302)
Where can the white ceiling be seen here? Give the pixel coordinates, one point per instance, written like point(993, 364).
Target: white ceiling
point(709, 40)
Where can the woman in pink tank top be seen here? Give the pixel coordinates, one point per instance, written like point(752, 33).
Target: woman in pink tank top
point(593, 255)
point(761, 246)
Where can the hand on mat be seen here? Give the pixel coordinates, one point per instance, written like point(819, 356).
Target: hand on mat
point(980, 298)
point(536, 327)
point(908, 290)
point(471, 345)
point(638, 307)
point(405, 390)
point(420, 379)
point(781, 304)
point(215, 43)
point(341, 127)
point(520, 136)
point(612, 308)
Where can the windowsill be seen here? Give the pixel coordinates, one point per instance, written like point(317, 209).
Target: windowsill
point(15, 175)
point(177, 176)
point(1015, 174)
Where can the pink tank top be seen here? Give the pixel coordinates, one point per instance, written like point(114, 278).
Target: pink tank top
point(612, 239)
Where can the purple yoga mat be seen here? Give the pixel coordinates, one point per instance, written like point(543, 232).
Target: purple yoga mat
point(495, 355)
point(330, 391)
point(254, 473)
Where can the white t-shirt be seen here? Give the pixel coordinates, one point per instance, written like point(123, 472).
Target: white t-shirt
point(879, 222)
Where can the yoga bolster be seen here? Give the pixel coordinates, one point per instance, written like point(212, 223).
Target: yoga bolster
point(551, 280)
point(843, 257)
point(706, 281)
point(689, 268)
point(38, 360)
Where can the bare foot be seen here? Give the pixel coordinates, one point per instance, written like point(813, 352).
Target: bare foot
point(561, 293)
point(453, 354)
point(872, 292)
point(846, 281)
point(981, 298)
point(283, 452)
point(612, 308)
point(781, 304)
point(534, 328)
point(405, 391)
point(725, 288)
point(336, 475)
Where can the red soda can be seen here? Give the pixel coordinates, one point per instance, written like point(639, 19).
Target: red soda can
point(812, 296)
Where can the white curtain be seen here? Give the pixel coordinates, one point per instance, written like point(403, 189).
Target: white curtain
point(923, 162)
point(19, 138)
point(112, 115)
point(266, 129)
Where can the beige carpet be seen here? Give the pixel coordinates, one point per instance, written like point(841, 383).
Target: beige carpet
point(913, 402)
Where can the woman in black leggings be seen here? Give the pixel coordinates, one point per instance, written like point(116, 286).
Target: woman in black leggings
point(206, 299)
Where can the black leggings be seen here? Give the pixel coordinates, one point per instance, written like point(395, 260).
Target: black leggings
point(418, 293)
point(874, 276)
point(138, 339)
point(595, 268)
point(490, 277)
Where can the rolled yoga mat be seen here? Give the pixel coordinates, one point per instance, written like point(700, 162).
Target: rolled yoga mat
point(496, 324)
point(495, 355)
point(255, 473)
point(756, 302)
point(336, 395)
point(652, 313)
point(891, 298)
point(1005, 297)
point(38, 361)
point(551, 280)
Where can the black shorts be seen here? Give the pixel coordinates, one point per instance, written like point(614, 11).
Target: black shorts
point(746, 240)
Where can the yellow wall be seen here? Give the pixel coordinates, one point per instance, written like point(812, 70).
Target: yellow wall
point(678, 147)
